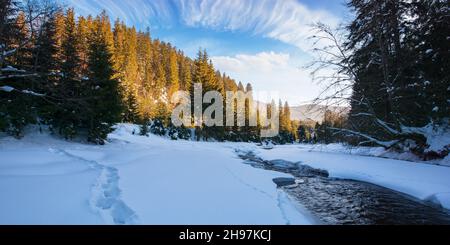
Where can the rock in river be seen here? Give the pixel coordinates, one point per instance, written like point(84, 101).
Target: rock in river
point(282, 164)
point(307, 171)
point(284, 181)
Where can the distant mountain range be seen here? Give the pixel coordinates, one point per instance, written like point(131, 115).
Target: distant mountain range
point(311, 112)
point(314, 112)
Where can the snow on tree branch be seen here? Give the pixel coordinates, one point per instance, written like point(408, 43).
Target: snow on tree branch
point(10, 89)
point(11, 69)
point(7, 53)
point(385, 144)
point(7, 89)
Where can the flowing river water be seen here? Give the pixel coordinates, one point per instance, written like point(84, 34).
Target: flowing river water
point(338, 201)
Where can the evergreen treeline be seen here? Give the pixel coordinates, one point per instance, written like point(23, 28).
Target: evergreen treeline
point(81, 75)
point(57, 70)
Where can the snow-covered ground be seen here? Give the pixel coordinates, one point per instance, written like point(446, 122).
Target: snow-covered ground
point(136, 180)
point(152, 180)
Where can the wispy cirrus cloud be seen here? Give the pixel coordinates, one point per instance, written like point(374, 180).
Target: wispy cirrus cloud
point(142, 13)
point(287, 21)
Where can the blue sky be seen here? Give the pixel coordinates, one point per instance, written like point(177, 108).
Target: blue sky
point(259, 41)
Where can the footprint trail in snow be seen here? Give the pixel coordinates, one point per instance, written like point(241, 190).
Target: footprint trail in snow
point(105, 193)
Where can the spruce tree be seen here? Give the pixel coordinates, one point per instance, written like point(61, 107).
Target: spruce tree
point(67, 118)
point(103, 91)
point(71, 60)
point(48, 66)
point(146, 75)
point(16, 109)
point(174, 82)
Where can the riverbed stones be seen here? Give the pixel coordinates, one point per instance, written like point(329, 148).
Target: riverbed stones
point(337, 201)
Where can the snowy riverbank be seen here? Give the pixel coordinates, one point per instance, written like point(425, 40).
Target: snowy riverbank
point(152, 180)
point(422, 180)
point(135, 180)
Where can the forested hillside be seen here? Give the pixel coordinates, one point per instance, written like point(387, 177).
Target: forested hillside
point(81, 75)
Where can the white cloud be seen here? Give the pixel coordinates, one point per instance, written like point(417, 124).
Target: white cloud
point(271, 72)
point(287, 20)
